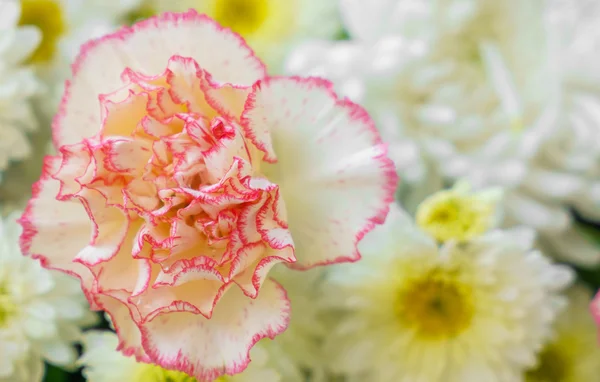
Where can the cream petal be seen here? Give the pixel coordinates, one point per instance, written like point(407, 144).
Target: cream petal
point(207, 349)
point(333, 171)
point(147, 47)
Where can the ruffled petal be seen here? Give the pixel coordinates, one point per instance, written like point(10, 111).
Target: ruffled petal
point(55, 231)
point(327, 157)
point(206, 348)
point(147, 47)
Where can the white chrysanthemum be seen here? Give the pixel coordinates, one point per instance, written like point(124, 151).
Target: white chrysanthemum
point(573, 355)
point(41, 313)
point(17, 85)
point(270, 27)
point(299, 347)
point(413, 311)
point(103, 363)
point(64, 26)
point(566, 171)
point(436, 78)
point(478, 90)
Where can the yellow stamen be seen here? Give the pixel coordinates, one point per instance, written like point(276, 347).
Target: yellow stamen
point(7, 306)
point(48, 17)
point(437, 305)
point(242, 16)
point(456, 214)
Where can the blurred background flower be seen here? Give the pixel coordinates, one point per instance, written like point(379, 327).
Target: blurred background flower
point(18, 84)
point(42, 313)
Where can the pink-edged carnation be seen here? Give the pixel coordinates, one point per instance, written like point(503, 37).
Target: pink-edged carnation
point(184, 174)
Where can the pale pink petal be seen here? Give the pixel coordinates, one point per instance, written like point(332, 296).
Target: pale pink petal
point(147, 47)
point(130, 337)
point(196, 296)
point(255, 262)
point(122, 271)
point(186, 85)
point(334, 176)
point(206, 348)
point(55, 231)
point(229, 100)
point(110, 225)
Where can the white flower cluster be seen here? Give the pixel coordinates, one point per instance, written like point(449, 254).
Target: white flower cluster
point(502, 93)
point(42, 313)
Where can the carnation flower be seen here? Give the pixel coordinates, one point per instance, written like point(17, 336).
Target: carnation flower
point(184, 174)
point(41, 313)
point(271, 27)
point(102, 363)
point(572, 355)
point(18, 85)
point(471, 311)
point(481, 90)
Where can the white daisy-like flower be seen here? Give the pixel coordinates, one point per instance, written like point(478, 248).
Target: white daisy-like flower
point(471, 311)
point(298, 349)
point(270, 27)
point(18, 85)
point(41, 313)
point(65, 25)
point(103, 363)
point(478, 90)
point(573, 354)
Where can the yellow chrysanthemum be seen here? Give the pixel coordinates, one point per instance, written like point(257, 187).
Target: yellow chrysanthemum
point(458, 213)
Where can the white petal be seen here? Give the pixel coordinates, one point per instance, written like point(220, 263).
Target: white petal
point(332, 169)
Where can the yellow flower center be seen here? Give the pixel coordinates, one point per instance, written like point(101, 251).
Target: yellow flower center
point(437, 306)
point(449, 215)
point(146, 10)
point(47, 16)
point(552, 367)
point(242, 16)
point(7, 306)
point(154, 373)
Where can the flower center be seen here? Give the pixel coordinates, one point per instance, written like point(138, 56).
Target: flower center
point(47, 16)
point(7, 307)
point(242, 16)
point(552, 367)
point(436, 306)
point(448, 215)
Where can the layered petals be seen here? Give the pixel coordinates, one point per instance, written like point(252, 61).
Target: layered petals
point(146, 47)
